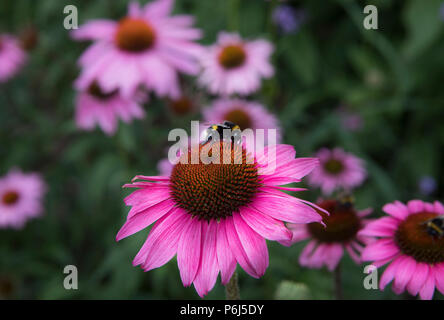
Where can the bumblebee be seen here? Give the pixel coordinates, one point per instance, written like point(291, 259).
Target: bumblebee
point(346, 201)
point(435, 226)
point(218, 129)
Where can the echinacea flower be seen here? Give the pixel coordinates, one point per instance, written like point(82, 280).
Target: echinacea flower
point(234, 65)
point(413, 248)
point(148, 47)
point(216, 215)
point(94, 106)
point(12, 57)
point(20, 198)
point(337, 169)
point(328, 241)
point(244, 113)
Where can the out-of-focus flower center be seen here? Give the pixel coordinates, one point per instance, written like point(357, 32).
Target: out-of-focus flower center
point(415, 240)
point(215, 190)
point(239, 117)
point(135, 35)
point(342, 224)
point(182, 105)
point(97, 92)
point(333, 166)
point(6, 287)
point(232, 56)
point(10, 198)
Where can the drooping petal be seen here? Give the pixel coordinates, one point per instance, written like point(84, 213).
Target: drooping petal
point(382, 227)
point(283, 208)
point(144, 218)
point(418, 279)
point(428, 289)
point(225, 257)
point(254, 245)
point(389, 273)
point(208, 270)
point(380, 250)
point(405, 273)
point(237, 249)
point(189, 250)
point(161, 244)
point(265, 225)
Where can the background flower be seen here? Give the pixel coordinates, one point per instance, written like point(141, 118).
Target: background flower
point(337, 169)
point(12, 57)
point(20, 198)
point(147, 47)
point(246, 114)
point(414, 252)
point(234, 65)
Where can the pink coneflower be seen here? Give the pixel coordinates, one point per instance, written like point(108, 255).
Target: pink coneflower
point(410, 240)
point(148, 47)
point(338, 169)
point(214, 216)
point(12, 57)
point(327, 243)
point(20, 198)
point(244, 113)
point(94, 106)
point(234, 65)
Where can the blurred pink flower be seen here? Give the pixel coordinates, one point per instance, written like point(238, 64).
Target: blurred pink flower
point(12, 57)
point(234, 65)
point(217, 215)
point(414, 250)
point(20, 198)
point(93, 106)
point(244, 113)
point(148, 47)
point(337, 169)
point(328, 241)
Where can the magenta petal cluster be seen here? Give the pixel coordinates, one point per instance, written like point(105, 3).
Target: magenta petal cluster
point(234, 65)
point(337, 169)
point(415, 254)
point(246, 114)
point(105, 111)
point(206, 247)
point(21, 196)
point(12, 57)
point(326, 250)
point(146, 48)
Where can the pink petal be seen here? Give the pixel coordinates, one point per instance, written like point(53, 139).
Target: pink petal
point(396, 209)
point(189, 250)
point(418, 279)
point(254, 245)
point(382, 227)
point(237, 248)
point(144, 218)
point(389, 273)
point(225, 258)
point(265, 225)
point(285, 208)
point(439, 207)
point(207, 274)
point(439, 276)
point(415, 206)
point(404, 273)
point(334, 254)
point(380, 250)
point(427, 291)
point(161, 244)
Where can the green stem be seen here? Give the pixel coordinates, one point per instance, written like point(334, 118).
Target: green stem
point(338, 282)
point(232, 288)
